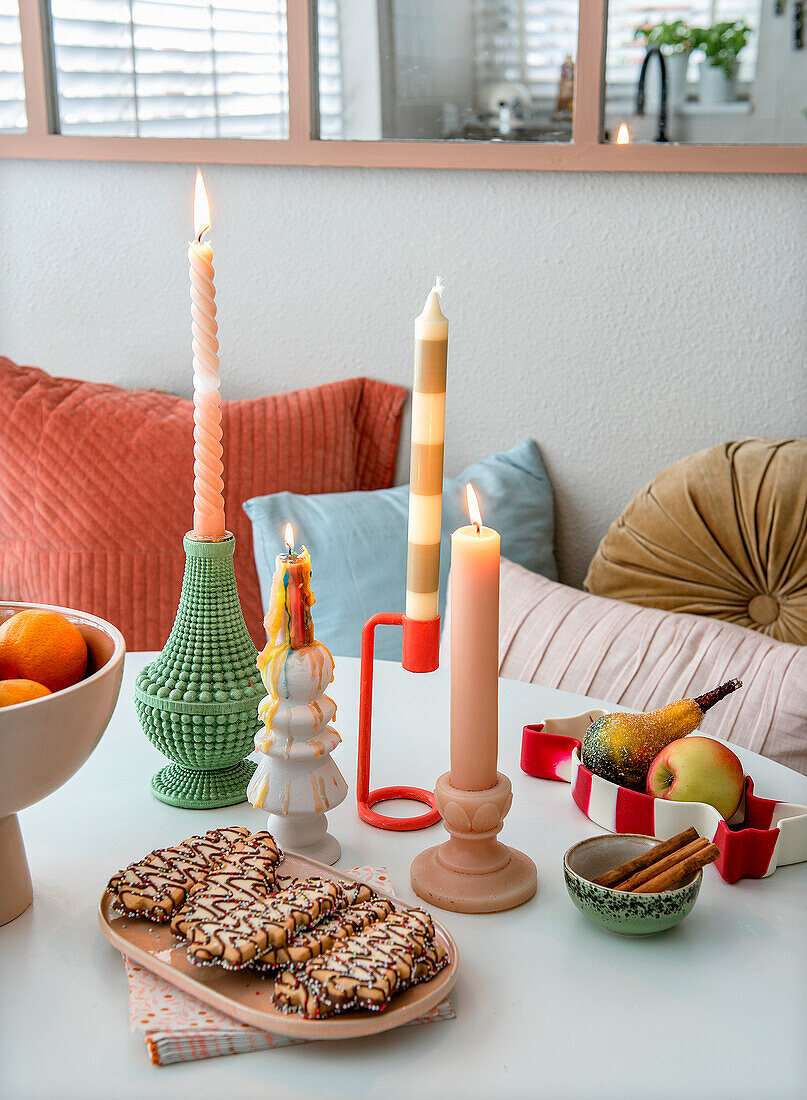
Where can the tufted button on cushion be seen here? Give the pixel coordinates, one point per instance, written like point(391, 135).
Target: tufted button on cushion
point(763, 610)
point(722, 533)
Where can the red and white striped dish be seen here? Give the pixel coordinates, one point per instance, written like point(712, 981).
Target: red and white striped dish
point(762, 835)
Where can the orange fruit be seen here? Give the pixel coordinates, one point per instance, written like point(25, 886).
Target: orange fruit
point(20, 691)
point(42, 646)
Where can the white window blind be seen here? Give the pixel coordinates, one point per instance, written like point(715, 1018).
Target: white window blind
point(13, 119)
point(184, 68)
point(524, 40)
point(329, 56)
point(625, 53)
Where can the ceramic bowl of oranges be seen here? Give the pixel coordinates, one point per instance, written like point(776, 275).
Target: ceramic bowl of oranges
point(60, 674)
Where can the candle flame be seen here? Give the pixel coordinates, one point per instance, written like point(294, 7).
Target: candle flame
point(288, 537)
point(623, 135)
point(473, 507)
point(201, 207)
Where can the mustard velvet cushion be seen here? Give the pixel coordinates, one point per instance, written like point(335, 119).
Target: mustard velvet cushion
point(721, 533)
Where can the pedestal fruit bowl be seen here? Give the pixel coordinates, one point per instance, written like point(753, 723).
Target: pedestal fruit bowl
point(45, 741)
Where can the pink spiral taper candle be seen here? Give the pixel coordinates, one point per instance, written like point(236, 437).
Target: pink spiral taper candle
point(208, 485)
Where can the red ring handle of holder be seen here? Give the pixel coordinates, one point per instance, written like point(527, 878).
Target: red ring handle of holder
point(420, 653)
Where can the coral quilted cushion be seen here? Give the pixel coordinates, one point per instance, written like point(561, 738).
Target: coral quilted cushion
point(723, 533)
point(96, 485)
point(643, 658)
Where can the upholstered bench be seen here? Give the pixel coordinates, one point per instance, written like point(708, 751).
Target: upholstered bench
point(706, 570)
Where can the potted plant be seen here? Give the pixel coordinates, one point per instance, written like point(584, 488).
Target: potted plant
point(721, 43)
point(676, 42)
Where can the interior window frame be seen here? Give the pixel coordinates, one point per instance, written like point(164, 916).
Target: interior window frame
point(586, 152)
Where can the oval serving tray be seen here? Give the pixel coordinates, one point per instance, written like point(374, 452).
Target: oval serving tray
point(246, 996)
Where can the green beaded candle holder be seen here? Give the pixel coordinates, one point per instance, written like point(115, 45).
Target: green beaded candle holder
point(198, 701)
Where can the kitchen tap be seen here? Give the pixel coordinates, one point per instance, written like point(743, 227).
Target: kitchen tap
point(662, 112)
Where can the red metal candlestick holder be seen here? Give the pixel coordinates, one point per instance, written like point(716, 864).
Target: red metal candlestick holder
point(420, 652)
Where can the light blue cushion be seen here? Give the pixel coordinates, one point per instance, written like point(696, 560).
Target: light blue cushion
point(358, 541)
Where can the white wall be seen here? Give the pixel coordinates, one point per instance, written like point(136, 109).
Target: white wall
point(622, 321)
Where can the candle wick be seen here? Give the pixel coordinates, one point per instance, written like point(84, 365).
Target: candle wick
point(201, 234)
point(478, 527)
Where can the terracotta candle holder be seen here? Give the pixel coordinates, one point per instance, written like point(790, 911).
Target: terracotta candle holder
point(420, 653)
point(473, 872)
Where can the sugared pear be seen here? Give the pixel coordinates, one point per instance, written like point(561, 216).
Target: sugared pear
point(621, 747)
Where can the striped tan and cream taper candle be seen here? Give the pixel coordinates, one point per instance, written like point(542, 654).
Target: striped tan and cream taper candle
point(426, 463)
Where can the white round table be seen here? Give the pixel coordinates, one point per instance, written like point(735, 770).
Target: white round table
point(547, 1004)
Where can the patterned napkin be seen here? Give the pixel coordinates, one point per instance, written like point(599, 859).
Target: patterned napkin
point(180, 1028)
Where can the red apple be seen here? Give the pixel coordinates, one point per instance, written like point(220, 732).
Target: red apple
point(698, 769)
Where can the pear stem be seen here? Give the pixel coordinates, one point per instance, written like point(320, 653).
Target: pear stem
point(705, 702)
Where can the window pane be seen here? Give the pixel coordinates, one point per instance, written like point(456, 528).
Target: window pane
point(172, 68)
point(13, 119)
point(724, 85)
point(477, 70)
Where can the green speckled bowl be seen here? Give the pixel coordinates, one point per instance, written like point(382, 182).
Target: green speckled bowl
point(627, 914)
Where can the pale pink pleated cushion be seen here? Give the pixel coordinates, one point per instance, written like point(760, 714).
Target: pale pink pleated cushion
point(643, 658)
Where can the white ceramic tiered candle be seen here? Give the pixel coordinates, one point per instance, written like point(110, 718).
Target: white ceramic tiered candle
point(296, 780)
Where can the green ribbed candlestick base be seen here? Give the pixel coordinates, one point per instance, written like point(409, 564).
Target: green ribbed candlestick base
point(198, 701)
point(196, 790)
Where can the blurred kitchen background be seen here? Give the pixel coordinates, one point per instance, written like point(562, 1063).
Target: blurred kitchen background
point(503, 70)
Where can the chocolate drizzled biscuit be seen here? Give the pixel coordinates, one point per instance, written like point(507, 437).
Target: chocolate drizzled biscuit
point(244, 877)
point(292, 994)
point(311, 942)
point(356, 892)
point(365, 970)
point(233, 933)
point(352, 892)
point(156, 885)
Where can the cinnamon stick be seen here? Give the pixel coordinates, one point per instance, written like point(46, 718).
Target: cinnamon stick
point(653, 855)
point(661, 865)
point(680, 870)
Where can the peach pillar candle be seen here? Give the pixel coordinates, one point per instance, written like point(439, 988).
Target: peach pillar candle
point(475, 552)
point(426, 459)
point(208, 485)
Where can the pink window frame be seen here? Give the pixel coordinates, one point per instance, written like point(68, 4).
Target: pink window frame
point(585, 153)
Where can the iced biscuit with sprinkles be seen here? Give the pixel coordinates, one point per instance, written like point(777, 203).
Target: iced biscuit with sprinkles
point(245, 876)
point(311, 942)
point(156, 885)
point(356, 892)
point(366, 970)
point(232, 934)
